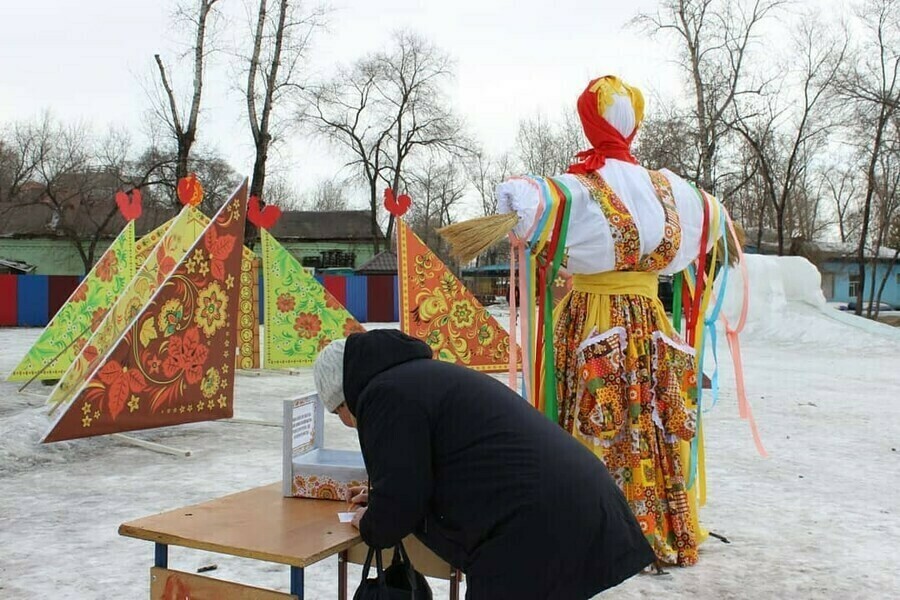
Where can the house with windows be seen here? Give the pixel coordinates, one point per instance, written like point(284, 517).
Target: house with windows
point(328, 240)
point(50, 240)
point(44, 240)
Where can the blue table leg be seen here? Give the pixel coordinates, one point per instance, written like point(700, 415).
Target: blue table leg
point(297, 582)
point(161, 558)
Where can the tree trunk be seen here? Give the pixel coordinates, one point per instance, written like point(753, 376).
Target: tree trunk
point(779, 216)
point(373, 201)
point(884, 281)
point(258, 181)
point(867, 211)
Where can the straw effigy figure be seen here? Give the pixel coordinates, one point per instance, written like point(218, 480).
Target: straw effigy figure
point(610, 367)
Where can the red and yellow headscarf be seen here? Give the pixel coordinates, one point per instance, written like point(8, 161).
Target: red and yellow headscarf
point(611, 112)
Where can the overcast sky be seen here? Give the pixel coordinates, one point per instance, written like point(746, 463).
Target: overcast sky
point(92, 59)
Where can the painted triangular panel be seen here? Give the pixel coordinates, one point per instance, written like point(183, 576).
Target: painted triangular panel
point(174, 362)
point(178, 239)
point(301, 316)
point(248, 318)
point(148, 242)
point(436, 308)
point(71, 327)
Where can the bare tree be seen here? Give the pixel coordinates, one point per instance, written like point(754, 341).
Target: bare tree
point(437, 187)
point(388, 108)
point(327, 196)
point(871, 84)
point(545, 147)
point(183, 128)
point(886, 211)
point(784, 132)
point(71, 181)
point(18, 159)
point(841, 184)
point(714, 38)
point(667, 140)
point(281, 40)
point(216, 176)
point(485, 173)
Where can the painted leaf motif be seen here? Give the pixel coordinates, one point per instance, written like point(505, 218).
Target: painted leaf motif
point(165, 264)
point(120, 382)
point(148, 332)
point(219, 247)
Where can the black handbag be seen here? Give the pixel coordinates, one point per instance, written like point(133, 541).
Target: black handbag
point(398, 582)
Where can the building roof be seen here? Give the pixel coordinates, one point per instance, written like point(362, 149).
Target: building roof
point(40, 221)
point(815, 251)
point(350, 225)
point(383, 263)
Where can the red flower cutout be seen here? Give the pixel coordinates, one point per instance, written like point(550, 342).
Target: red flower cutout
point(308, 325)
point(129, 204)
point(219, 249)
point(264, 217)
point(186, 354)
point(190, 191)
point(121, 382)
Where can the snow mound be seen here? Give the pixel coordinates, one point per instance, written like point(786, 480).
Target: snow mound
point(787, 306)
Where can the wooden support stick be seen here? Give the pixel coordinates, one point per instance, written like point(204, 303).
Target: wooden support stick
point(248, 373)
point(161, 448)
point(243, 421)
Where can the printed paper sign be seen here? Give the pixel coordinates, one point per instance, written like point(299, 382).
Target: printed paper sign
point(303, 426)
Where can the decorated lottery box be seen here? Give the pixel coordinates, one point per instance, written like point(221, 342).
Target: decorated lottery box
point(310, 469)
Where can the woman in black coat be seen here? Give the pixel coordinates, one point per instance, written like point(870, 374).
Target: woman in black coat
point(481, 478)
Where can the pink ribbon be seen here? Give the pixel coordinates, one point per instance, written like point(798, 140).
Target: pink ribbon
point(734, 346)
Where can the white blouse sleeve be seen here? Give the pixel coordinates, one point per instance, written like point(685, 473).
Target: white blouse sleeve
point(689, 203)
point(521, 196)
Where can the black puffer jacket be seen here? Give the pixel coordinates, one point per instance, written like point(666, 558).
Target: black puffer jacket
point(482, 478)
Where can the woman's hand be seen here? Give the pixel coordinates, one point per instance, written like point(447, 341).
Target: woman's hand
point(357, 517)
point(359, 496)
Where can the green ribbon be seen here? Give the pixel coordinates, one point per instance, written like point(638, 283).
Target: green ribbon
point(551, 404)
point(676, 301)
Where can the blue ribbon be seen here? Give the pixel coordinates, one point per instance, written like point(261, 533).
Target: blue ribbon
point(710, 323)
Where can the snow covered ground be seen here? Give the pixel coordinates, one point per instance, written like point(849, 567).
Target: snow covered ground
point(817, 519)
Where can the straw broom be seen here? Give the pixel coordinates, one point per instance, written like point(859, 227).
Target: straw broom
point(733, 243)
point(471, 238)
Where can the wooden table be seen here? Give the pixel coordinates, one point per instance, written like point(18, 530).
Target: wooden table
point(260, 524)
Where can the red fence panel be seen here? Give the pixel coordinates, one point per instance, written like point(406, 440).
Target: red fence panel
point(337, 287)
point(9, 300)
point(61, 287)
point(381, 293)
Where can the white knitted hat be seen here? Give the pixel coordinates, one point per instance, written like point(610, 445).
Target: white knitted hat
point(328, 373)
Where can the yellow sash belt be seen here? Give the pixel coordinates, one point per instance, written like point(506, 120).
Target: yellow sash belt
point(612, 283)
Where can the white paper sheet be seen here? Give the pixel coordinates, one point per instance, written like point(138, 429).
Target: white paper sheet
point(345, 517)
